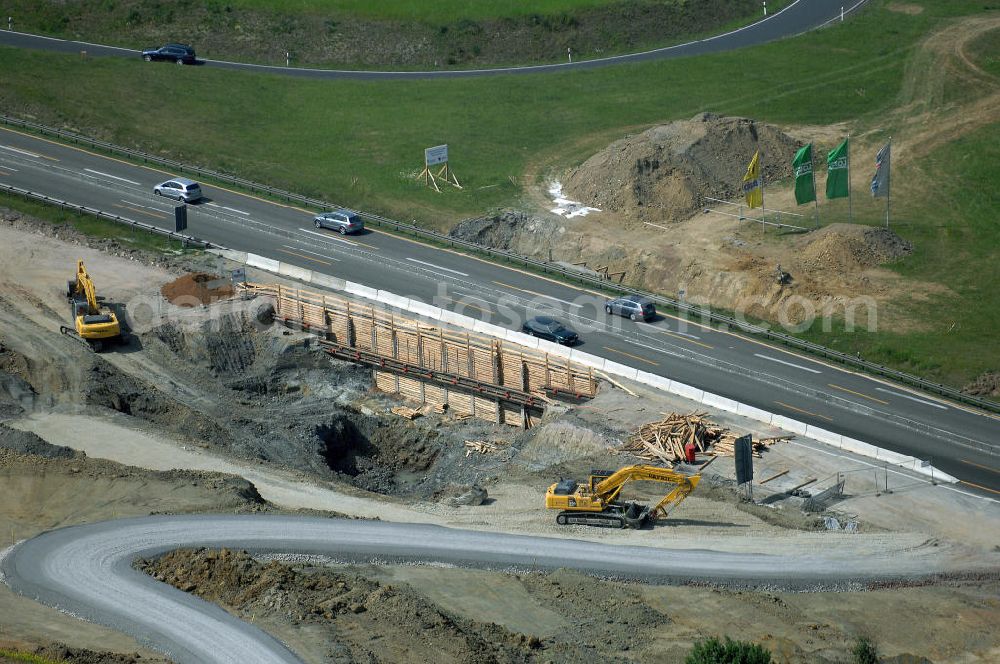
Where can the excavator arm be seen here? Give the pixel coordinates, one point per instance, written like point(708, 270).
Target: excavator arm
point(85, 286)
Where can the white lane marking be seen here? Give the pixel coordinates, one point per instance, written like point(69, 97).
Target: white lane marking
point(24, 152)
point(113, 177)
point(223, 207)
point(661, 329)
point(328, 237)
point(797, 366)
point(306, 251)
point(907, 396)
point(145, 207)
point(437, 267)
point(8, 168)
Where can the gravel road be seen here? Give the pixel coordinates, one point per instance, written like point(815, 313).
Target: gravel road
point(87, 570)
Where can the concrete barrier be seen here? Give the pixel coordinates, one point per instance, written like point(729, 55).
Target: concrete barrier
point(788, 424)
point(654, 381)
point(686, 391)
point(492, 330)
point(326, 281)
point(620, 370)
point(393, 300)
point(824, 436)
point(361, 291)
point(587, 360)
point(295, 272)
point(264, 263)
point(722, 403)
point(755, 413)
point(860, 447)
point(522, 339)
point(425, 310)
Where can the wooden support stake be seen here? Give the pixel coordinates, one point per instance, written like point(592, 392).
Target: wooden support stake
point(799, 486)
point(773, 477)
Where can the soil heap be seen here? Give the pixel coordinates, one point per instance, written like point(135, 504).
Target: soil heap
point(663, 173)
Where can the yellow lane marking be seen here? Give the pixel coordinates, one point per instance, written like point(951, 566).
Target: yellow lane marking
point(634, 357)
point(314, 260)
point(863, 396)
point(683, 338)
point(151, 214)
point(978, 465)
point(4, 173)
point(804, 412)
point(980, 486)
point(468, 304)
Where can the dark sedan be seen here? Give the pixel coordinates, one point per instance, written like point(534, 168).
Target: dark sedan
point(182, 54)
point(550, 329)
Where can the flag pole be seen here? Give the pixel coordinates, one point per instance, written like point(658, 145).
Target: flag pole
point(888, 185)
point(850, 198)
point(812, 167)
point(760, 165)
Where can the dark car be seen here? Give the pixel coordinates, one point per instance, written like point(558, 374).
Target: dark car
point(550, 329)
point(635, 307)
point(182, 54)
point(342, 221)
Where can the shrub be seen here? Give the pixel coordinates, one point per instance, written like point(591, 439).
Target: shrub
point(714, 651)
point(865, 651)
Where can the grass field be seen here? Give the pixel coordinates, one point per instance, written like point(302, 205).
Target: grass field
point(91, 226)
point(389, 35)
point(425, 10)
point(360, 143)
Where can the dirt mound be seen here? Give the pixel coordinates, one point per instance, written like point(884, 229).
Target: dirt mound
point(373, 622)
point(60, 652)
point(26, 442)
point(843, 247)
point(663, 173)
point(197, 288)
point(985, 385)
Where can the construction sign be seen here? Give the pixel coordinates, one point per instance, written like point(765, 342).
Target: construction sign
point(438, 155)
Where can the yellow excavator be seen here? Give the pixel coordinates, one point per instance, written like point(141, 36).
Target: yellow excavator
point(596, 502)
point(95, 324)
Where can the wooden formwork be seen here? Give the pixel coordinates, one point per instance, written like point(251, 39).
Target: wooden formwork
point(470, 355)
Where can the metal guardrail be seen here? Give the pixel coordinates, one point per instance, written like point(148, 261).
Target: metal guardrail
point(100, 214)
point(701, 313)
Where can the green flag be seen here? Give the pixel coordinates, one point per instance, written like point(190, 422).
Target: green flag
point(805, 190)
point(837, 171)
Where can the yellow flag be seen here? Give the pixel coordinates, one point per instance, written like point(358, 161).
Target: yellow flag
point(752, 185)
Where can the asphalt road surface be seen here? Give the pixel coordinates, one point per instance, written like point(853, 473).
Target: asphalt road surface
point(87, 570)
point(801, 16)
point(957, 439)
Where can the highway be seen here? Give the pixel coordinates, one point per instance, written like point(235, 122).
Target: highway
point(958, 440)
point(801, 16)
point(87, 570)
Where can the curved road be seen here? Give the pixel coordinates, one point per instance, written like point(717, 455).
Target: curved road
point(87, 570)
point(800, 16)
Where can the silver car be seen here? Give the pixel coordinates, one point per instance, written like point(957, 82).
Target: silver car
point(180, 188)
point(342, 221)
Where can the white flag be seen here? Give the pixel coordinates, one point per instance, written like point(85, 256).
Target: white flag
point(880, 181)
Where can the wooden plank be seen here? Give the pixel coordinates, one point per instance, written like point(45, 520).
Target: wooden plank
point(774, 477)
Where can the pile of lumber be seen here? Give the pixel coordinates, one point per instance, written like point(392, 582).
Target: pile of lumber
point(664, 441)
point(407, 412)
point(725, 445)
